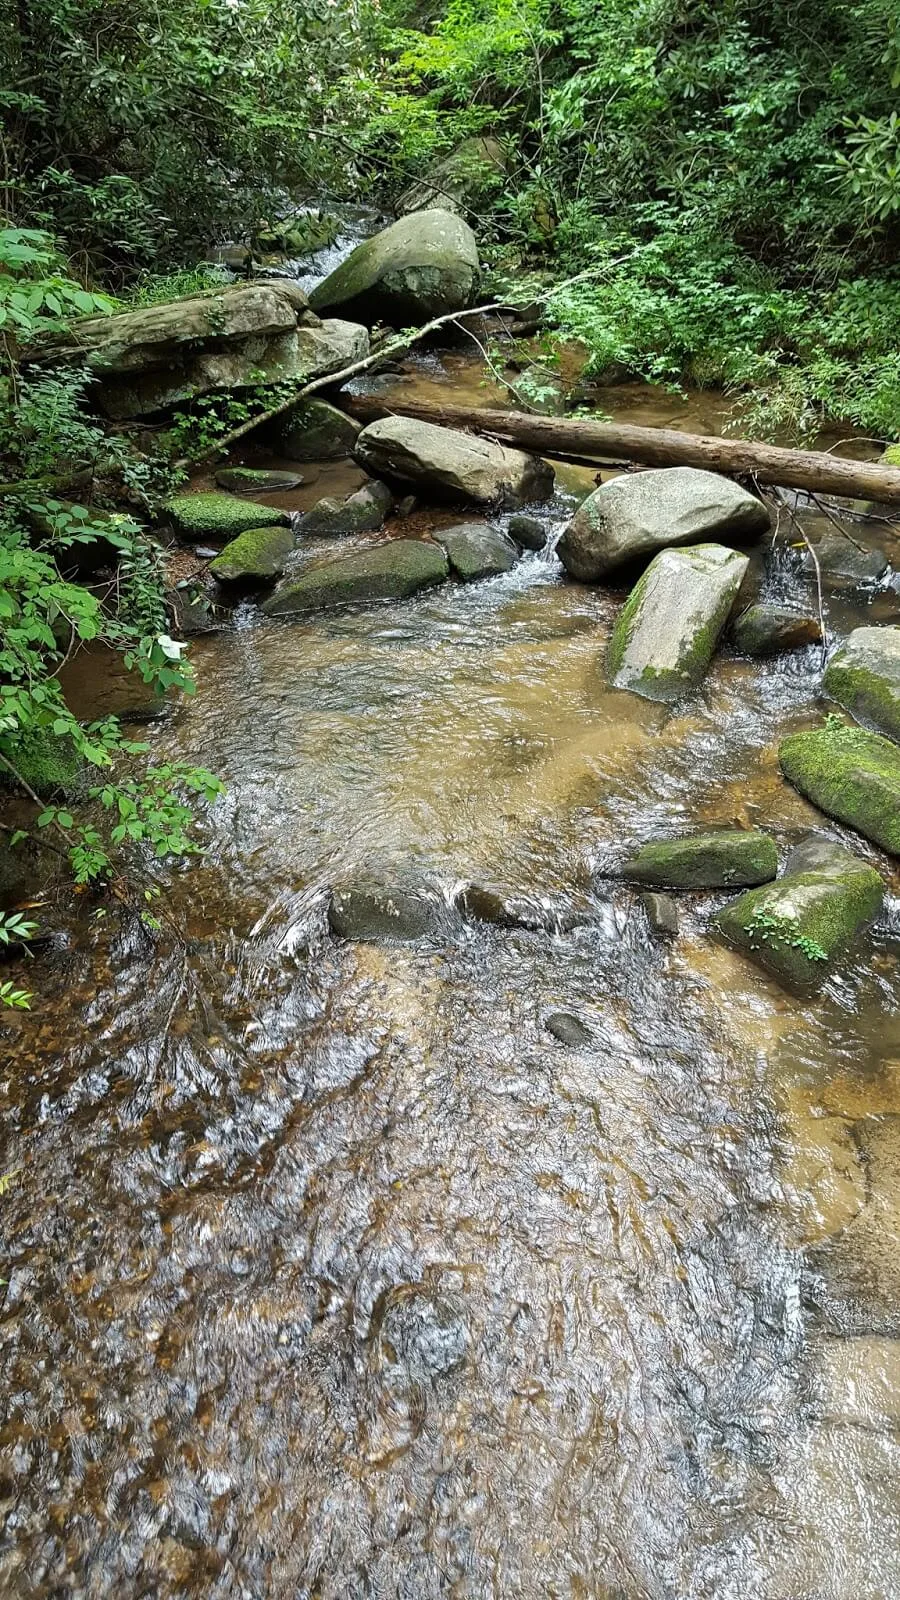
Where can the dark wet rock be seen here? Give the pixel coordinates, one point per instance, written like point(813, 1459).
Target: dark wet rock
point(459, 466)
point(722, 859)
point(406, 506)
point(864, 677)
point(799, 926)
point(461, 180)
point(766, 629)
point(210, 515)
point(666, 633)
point(635, 515)
point(376, 911)
point(422, 266)
point(662, 915)
point(487, 903)
point(391, 571)
point(422, 1334)
point(841, 561)
point(362, 512)
point(476, 550)
point(193, 611)
point(568, 1029)
point(316, 431)
point(261, 480)
point(851, 775)
point(529, 533)
point(256, 556)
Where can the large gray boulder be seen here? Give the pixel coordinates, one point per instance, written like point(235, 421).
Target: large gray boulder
point(146, 361)
point(476, 550)
point(313, 430)
point(665, 635)
point(460, 466)
point(633, 516)
point(799, 925)
point(459, 181)
point(421, 267)
point(864, 677)
point(390, 571)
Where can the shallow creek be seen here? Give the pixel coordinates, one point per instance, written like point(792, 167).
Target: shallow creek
point(329, 1272)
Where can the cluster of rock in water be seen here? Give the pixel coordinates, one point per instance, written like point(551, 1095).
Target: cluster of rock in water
point(686, 528)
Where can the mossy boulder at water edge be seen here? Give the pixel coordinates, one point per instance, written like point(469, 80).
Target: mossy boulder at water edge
point(316, 431)
point(665, 635)
point(851, 775)
point(798, 926)
point(864, 677)
point(256, 556)
point(420, 267)
point(47, 762)
point(391, 571)
point(262, 480)
point(208, 515)
point(721, 859)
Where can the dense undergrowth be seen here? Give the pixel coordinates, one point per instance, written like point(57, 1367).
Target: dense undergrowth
point(710, 188)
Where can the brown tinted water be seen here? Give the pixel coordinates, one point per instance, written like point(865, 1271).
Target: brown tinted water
point(329, 1272)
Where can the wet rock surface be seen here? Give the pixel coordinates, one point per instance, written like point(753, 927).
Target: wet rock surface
point(662, 915)
point(476, 550)
point(254, 556)
point(666, 633)
point(364, 511)
point(568, 1029)
point(863, 676)
point(461, 466)
point(716, 860)
point(529, 533)
point(851, 775)
point(636, 515)
point(765, 629)
point(378, 911)
point(842, 560)
point(391, 571)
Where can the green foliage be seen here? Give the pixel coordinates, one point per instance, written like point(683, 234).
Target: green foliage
point(766, 927)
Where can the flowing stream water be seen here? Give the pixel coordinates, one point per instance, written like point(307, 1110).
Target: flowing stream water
point(329, 1272)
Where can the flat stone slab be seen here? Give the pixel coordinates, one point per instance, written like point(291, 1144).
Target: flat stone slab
point(667, 631)
point(459, 466)
point(721, 859)
point(634, 516)
point(391, 571)
point(261, 480)
point(851, 775)
point(798, 926)
point(864, 677)
point(476, 550)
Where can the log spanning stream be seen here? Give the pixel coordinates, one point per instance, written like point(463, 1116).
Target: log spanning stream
point(329, 1272)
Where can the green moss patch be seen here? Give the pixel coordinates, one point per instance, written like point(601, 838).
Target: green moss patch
point(255, 556)
point(850, 774)
point(221, 516)
point(722, 859)
point(864, 677)
point(49, 764)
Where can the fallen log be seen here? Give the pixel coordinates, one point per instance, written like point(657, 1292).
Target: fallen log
point(615, 443)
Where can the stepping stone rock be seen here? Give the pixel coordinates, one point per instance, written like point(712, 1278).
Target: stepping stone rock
point(375, 912)
point(765, 629)
point(635, 515)
point(362, 512)
point(254, 556)
point(798, 926)
point(723, 859)
point(528, 532)
point(244, 480)
point(568, 1029)
point(460, 466)
point(850, 774)
point(842, 563)
point(665, 635)
point(422, 266)
point(476, 550)
point(221, 516)
point(487, 904)
point(864, 677)
point(391, 571)
point(316, 431)
point(662, 915)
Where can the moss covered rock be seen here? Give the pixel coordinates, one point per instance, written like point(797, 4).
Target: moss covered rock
point(420, 267)
point(722, 859)
point(254, 557)
point(850, 774)
point(362, 512)
point(765, 629)
point(476, 550)
point(798, 926)
point(637, 514)
point(48, 763)
point(890, 457)
point(390, 571)
point(665, 635)
point(864, 677)
point(316, 431)
point(264, 480)
point(221, 516)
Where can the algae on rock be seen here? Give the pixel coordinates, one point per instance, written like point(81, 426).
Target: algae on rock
point(665, 635)
point(390, 571)
point(864, 677)
point(851, 775)
point(208, 515)
point(254, 556)
point(721, 859)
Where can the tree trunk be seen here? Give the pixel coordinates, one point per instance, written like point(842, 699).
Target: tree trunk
point(617, 443)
